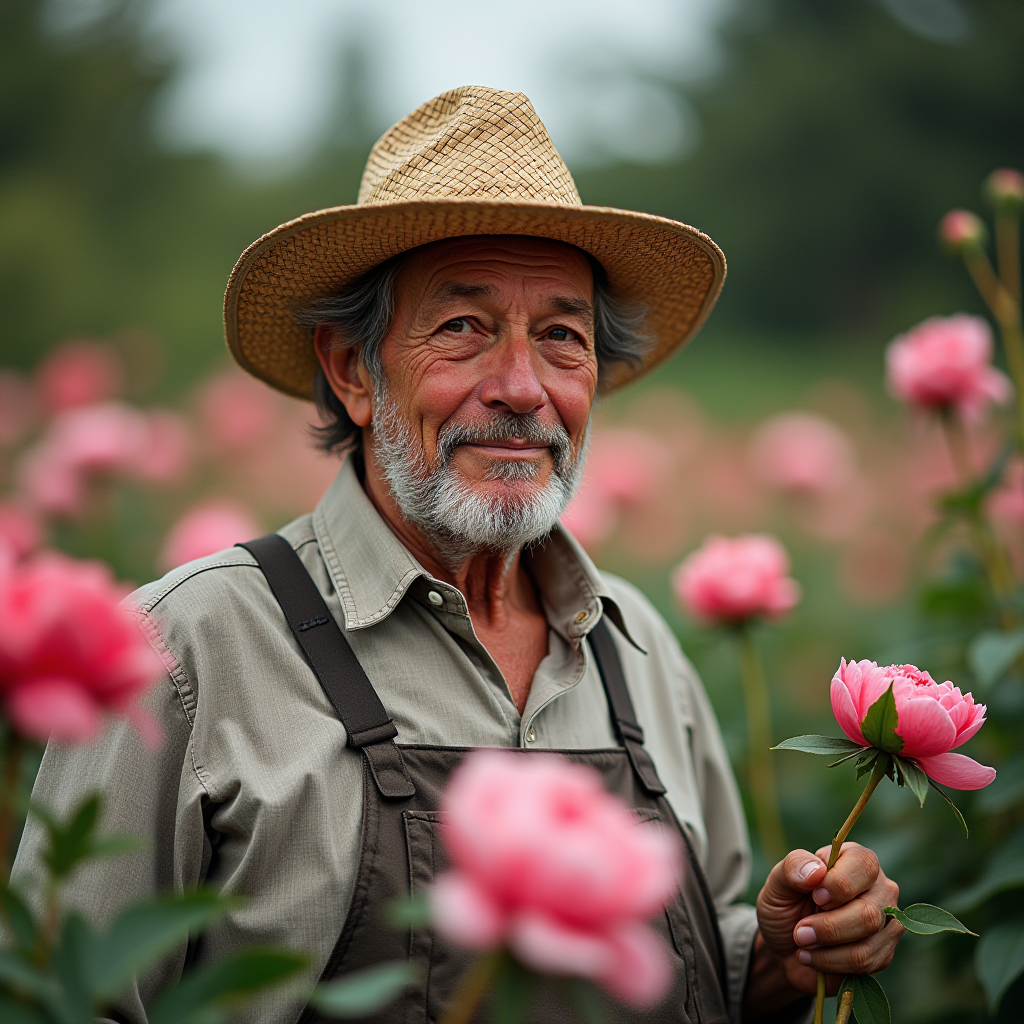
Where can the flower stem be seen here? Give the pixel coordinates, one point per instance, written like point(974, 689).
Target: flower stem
point(993, 557)
point(471, 989)
point(759, 740)
point(877, 774)
point(845, 1007)
point(1006, 310)
point(8, 798)
point(1008, 251)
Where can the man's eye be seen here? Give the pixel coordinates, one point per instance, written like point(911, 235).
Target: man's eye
point(560, 334)
point(460, 325)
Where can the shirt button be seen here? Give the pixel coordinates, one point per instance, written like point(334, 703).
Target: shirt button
point(531, 735)
point(582, 616)
point(435, 599)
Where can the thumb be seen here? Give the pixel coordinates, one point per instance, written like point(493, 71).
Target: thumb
point(783, 900)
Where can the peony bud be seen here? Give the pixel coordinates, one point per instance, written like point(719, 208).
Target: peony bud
point(1004, 189)
point(961, 230)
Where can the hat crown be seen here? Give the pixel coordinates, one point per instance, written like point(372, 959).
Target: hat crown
point(472, 142)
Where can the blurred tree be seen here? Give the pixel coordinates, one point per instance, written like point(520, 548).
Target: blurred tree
point(833, 140)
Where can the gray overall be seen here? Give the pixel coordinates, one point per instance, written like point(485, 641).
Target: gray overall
point(401, 850)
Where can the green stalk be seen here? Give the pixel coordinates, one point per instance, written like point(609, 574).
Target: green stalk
point(760, 765)
point(8, 799)
point(877, 774)
point(471, 989)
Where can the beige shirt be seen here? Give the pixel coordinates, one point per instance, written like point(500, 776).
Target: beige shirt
point(254, 789)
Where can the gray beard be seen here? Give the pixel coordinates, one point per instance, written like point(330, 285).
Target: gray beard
point(459, 523)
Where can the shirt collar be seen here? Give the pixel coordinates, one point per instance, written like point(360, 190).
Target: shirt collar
point(372, 570)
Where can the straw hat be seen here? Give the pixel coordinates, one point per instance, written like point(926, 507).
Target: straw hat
point(472, 161)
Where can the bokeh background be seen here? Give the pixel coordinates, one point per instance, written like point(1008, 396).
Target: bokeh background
point(145, 143)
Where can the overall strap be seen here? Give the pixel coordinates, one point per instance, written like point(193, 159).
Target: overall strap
point(631, 735)
point(333, 663)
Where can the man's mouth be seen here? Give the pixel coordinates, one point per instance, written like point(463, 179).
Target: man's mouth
point(508, 449)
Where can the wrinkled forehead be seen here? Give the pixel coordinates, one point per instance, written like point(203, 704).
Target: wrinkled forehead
point(542, 264)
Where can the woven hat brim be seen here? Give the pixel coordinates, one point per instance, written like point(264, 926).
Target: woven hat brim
point(675, 270)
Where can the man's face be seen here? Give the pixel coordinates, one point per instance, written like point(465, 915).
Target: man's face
point(490, 371)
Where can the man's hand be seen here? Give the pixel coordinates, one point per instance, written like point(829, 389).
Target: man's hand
point(850, 936)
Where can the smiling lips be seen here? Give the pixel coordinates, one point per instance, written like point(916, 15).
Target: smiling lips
point(514, 448)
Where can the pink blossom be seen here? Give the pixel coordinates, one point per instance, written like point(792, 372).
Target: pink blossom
point(946, 363)
point(801, 453)
point(205, 529)
point(736, 579)
point(79, 373)
point(932, 718)
point(237, 412)
point(20, 529)
point(68, 650)
point(548, 863)
point(165, 448)
point(626, 465)
point(960, 230)
point(1005, 188)
point(590, 517)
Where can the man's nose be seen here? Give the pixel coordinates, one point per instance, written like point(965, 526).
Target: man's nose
point(512, 383)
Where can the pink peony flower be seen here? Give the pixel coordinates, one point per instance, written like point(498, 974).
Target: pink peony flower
point(1005, 189)
point(932, 718)
point(960, 230)
point(801, 453)
point(733, 580)
point(238, 412)
point(68, 650)
point(165, 448)
point(946, 363)
point(79, 373)
point(206, 528)
point(545, 861)
point(20, 529)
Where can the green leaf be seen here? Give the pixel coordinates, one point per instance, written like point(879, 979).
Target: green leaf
point(879, 724)
point(816, 744)
point(510, 995)
point(202, 993)
point(70, 963)
point(19, 918)
point(145, 932)
point(912, 776)
point(69, 844)
point(990, 654)
point(956, 810)
point(18, 974)
point(1005, 871)
point(924, 919)
point(584, 997)
point(870, 1005)
point(409, 913)
point(13, 1011)
point(364, 993)
point(999, 960)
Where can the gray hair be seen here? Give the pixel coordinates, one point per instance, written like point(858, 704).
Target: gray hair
point(361, 313)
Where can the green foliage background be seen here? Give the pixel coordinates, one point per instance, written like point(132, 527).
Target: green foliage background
point(832, 140)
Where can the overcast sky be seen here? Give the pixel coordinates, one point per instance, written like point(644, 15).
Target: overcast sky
point(259, 76)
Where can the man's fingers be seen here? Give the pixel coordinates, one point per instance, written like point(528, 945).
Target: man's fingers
point(865, 957)
point(798, 874)
point(855, 872)
point(851, 922)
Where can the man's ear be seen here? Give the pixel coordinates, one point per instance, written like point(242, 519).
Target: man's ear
point(346, 374)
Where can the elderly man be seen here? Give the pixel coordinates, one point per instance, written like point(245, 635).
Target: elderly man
point(454, 327)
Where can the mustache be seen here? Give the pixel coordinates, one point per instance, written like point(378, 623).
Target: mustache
point(507, 427)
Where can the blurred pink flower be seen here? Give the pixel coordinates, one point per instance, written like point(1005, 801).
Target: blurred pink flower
point(79, 373)
point(237, 412)
point(165, 448)
point(960, 230)
point(205, 529)
point(932, 718)
point(731, 580)
point(20, 530)
point(16, 408)
point(590, 517)
point(548, 863)
point(946, 363)
point(1006, 503)
point(1005, 188)
point(803, 453)
point(68, 651)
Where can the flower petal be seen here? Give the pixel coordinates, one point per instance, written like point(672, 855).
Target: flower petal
point(845, 712)
point(549, 946)
point(640, 974)
point(924, 726)
point(957, 771)
point(464, 913)
point(53, 707)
